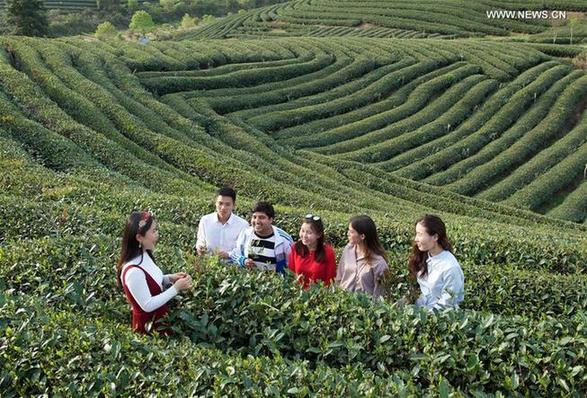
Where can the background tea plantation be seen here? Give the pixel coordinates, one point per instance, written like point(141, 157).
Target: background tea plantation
point(388, 108)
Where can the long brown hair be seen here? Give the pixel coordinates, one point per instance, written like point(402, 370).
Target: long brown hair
point(137, 223)
point(364, 225)
point(434, 226)
point(302, 250)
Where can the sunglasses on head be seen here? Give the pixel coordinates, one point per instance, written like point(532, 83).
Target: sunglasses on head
point(312, 217)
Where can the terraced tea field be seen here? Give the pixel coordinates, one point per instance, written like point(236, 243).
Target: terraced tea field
point(499, 122)
point(392, 19)
point(65, 5)
point(488, 134)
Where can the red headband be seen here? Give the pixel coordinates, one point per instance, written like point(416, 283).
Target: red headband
point(144, 218)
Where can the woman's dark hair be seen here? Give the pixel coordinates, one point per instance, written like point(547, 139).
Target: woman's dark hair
point(264, 207)
point(434, 226)
point(227, 191)
point(302, 250)
point(364, 225)
point(137, 223)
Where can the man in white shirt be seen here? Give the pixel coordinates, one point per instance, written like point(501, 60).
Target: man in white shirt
point(218, 231)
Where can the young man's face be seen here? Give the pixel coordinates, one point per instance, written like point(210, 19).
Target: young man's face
point(224, 206)
point(262, 224)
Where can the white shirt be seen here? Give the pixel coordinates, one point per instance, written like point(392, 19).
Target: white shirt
point(444, 285)
point(214, 235)
point(136, 282)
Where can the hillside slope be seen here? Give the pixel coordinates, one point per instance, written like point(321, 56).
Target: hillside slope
point(392, 19)
point(91, 131)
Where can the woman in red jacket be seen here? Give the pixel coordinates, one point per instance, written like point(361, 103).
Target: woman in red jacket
point(311, 257)
point(146, 288)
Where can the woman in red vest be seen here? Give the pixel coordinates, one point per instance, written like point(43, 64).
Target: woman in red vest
point(140, 277)
point(311, 257)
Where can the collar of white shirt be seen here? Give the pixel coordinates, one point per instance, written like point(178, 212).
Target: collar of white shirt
point(229, 221)
point(439, 255)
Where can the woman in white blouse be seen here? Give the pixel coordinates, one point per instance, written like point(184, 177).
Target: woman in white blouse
point(437, 270)
point(142, 280)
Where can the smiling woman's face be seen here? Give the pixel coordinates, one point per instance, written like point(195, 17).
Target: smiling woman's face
point(423, 239)
point(355, 238)
point(308, 235)
point(151, 237)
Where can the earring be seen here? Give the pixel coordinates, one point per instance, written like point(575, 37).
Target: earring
point(140, 245)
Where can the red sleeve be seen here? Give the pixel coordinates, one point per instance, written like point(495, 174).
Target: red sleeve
point(292, 259)
point(330, 265)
